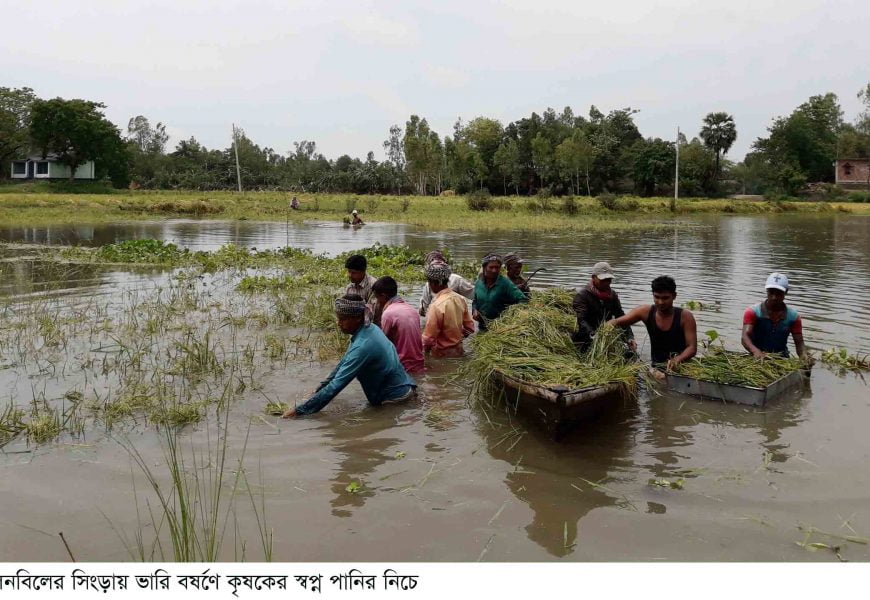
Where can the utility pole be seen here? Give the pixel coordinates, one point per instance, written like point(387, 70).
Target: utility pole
point(236, 148)
point(676, 174)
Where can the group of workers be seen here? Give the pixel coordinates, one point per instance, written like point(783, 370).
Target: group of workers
point(388, 343)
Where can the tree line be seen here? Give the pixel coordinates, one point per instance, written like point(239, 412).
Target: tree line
point(553, 152)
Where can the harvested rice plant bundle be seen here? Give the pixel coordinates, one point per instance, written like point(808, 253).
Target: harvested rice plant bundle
point(738, 368)
point(532, 343)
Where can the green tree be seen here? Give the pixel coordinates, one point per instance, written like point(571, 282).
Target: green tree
point(805, 142)
point(77, 131)
point(507, 160)
point(652, 165)
point(15, 113)
point(697, 169)
point(719, 133)
point(573, 157)
point(151, 140)
point(395, 151)
point(542, 158)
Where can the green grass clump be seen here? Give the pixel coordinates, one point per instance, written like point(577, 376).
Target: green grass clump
point(142, 251)
point(177, 414)
point(532, 343)
point(738, 368)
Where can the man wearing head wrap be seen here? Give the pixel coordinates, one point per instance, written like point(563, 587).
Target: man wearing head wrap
point(493, 292)
point(457, 283)
point(513, 265)
point(448, 320)
point(596, 304)
point(400, 323)
point(371, 358)
point(767, 325)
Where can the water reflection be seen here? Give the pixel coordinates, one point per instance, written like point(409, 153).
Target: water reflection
point(553, 479)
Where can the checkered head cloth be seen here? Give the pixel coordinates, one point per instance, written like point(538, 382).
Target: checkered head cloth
point(438, 271)
point(434, 256)
point(350, 305)
point(492, 258)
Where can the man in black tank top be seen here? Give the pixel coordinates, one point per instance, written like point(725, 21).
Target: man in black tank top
point(672, 331)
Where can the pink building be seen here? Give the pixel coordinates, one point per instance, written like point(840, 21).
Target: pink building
point(852, 172)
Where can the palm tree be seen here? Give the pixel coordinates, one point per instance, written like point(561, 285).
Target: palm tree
point(719, 134)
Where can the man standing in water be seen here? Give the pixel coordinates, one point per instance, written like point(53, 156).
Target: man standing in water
point(767, 325)
point(595, 304)
point(672, 331)
point(513, 265)
point(371, 358)
point(361, 284)
point(493, 292)
point(448, 321)
point(355, 218)
point(457, 283)
point(400, 323)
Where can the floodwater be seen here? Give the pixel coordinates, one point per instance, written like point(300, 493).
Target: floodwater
point(444, 482)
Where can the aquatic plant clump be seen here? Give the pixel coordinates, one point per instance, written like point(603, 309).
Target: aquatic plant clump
point(840, 360)
point(532, 343)
point(738, 368)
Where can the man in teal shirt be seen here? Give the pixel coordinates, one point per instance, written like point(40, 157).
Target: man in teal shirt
point(371, 358)
point(493, 292)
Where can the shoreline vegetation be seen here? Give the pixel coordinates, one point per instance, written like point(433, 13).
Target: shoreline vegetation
point(481, 213)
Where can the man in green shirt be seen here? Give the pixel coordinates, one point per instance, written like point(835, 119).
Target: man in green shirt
point(493, 292)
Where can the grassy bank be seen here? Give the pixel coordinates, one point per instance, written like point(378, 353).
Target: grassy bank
point(443, 213)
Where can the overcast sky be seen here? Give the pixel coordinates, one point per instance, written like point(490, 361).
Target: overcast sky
point(341, 73)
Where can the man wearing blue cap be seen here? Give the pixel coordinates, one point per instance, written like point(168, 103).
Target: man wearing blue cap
point(767, 325)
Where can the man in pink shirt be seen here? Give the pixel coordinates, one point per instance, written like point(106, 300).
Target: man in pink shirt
point(400, 322)
point(448, 320)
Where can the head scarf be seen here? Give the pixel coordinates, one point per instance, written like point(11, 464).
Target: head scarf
point(350, 306)
point(491, 258)
point(435, 255)
point(512, 258)
point(438, 271)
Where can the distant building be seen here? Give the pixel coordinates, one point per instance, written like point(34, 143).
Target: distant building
point(37, 167)
point(852, 172)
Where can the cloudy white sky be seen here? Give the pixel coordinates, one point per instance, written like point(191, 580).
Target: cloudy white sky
point(341, 73)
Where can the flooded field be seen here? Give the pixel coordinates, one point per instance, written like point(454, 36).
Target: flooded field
point(104, 352)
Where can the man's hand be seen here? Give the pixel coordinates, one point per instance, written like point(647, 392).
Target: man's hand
point(758, 353)
point(657, 375)
point(632, 344)
point(673, 364)
point(476, 316)
point(290, 413)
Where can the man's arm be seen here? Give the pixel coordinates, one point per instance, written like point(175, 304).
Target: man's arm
point(634, 315)
point(432, 328)
point(581, 308)
point(619, 313)
point(463, 287)
point(746, 337)
point(425, 300)
point(467, 323)
point(690, 332)
point(515, 295)
point(350, 365)
point(797, 334)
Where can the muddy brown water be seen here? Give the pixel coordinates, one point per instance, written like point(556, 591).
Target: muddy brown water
point(445, 482)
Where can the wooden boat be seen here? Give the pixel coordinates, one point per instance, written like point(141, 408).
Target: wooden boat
point(558, 406)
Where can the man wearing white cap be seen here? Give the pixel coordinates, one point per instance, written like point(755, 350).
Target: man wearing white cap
point(596, 304)
point(767, 325)
point(355, 219)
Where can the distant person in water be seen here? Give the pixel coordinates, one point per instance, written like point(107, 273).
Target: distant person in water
point(457, 283)
point(400, 323)
point(294, 204)
point(672, 331)
point(370, 358)
point(767, 325)
point(513, 265)
point(355, 219)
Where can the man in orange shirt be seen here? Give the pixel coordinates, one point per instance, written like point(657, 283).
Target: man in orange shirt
point(448, 320)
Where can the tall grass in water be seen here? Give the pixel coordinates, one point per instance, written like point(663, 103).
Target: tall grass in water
point(195, 507)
